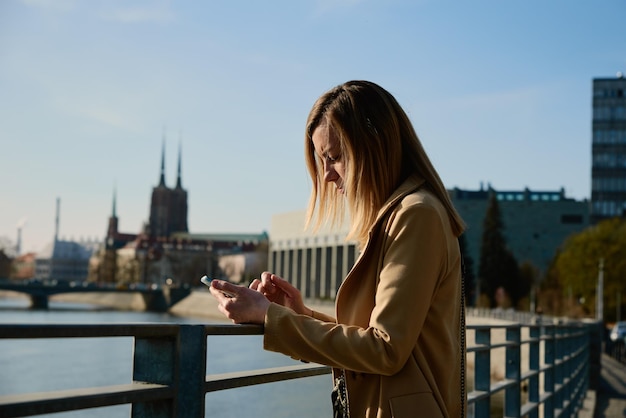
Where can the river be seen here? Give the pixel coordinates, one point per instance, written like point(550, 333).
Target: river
point(28, 366)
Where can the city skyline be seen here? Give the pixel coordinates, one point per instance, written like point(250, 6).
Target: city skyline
point(499, 93)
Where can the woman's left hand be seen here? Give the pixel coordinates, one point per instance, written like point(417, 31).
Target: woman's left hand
point(239, 303)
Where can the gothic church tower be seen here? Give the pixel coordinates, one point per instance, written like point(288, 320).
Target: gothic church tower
point(168, 208)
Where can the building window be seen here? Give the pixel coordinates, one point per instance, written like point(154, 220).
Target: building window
point(571, 219)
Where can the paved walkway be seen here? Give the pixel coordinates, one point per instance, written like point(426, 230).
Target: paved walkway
point(611, 396)
point(610, 399)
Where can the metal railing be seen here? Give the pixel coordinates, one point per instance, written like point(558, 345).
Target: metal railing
point(169, 370)
point(544, 368)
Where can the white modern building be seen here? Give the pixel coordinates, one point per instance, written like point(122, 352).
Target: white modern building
point(316, 263)
point(536, 224)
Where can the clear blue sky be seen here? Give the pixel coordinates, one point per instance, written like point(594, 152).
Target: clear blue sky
point(499, 92)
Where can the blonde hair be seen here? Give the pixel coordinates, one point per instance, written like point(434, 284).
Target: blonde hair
point(380, 149)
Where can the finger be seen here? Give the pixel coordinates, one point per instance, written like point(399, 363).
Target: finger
point(259, 287)
point(266, 287)
point(228, 289)
point(266, 278)
point(218, 294)
point(227, 312)
point(284, 285)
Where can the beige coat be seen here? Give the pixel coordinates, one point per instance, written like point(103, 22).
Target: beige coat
point(397, 332)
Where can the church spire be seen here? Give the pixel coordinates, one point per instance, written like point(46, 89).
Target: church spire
point(114, 211)
point(178, 179)
point(112, 230)
point(162, 180)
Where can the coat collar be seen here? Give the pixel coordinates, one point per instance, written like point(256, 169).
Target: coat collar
point(408, 186)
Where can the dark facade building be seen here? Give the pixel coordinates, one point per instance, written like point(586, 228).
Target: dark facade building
point(608, 149)
point(535, 223)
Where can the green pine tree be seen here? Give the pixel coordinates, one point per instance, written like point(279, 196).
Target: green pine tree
point(498, 267)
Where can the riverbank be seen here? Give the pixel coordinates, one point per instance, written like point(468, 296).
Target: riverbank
point(199, 304)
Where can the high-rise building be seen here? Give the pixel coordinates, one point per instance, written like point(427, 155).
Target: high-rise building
point(608, 149)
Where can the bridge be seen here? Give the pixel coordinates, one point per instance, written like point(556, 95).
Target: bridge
point(156, 298)
point(548, 369)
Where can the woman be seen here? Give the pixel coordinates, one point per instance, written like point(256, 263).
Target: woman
point(396, 342)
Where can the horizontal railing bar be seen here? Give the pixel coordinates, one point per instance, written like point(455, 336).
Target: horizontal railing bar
point(501, 385)
point(477, 347)
point(486, 347)
point(232, 380)
point(477, 395)
point(544, 396)
point(229, 329)
point(528, 374)
point(28, 404)
point(493, 326)
point(37, 331)
point(529, 407)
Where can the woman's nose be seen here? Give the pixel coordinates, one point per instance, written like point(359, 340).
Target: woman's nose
point(329, 172)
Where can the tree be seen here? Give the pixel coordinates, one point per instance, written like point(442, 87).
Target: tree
point(7, 254)
point(520, 289)
point(498, 267)
point(577, 265)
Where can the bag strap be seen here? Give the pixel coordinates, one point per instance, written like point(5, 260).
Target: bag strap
point(462, 336)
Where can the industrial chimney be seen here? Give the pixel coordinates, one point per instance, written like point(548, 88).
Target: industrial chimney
point(56, 225)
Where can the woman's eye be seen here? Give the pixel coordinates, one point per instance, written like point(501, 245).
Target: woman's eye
point(333, 159)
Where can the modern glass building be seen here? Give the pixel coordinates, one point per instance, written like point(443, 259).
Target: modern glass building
point(608, 149)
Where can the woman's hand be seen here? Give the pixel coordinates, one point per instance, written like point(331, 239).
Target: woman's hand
point(240, 304)
point(280, 291)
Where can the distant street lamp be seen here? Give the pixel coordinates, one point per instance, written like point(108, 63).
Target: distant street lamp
point(600, 293)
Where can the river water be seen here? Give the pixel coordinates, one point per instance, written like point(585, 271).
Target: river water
point(38, 365)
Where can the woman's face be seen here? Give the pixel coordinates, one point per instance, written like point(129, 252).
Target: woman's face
point(328, 150)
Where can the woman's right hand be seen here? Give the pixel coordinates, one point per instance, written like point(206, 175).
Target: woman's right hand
point(280, 291)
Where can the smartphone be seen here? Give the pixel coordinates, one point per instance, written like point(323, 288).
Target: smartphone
point(207, 282)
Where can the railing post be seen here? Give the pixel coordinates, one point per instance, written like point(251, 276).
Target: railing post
point(482, 372)
point(583, 366)
point(595, 337)
point(178, 362)
point(154, 362)
point(191, 376)
point(559, 366)
point(512, 395)
point(533, 366)
point(549, 348)
point(569, 368)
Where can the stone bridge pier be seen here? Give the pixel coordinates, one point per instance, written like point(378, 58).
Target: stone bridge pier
point(39, 301)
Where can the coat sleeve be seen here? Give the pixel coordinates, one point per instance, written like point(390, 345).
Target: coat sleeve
point(413, 261)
